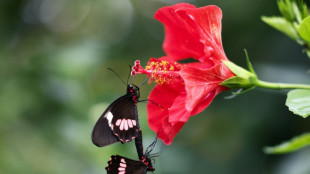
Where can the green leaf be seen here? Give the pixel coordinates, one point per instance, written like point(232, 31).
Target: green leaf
point(298, 101)
point(282, 25)
point(308, 53)
point(250, 66)
point(304, 29)
point(303, 9)
point(239, 71)
point(292, 145)
point(297, 12)
point(286, 9)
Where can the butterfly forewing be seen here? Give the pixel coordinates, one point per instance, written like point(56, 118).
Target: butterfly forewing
point(119, 122)
point(122, 165)
point(102, 134)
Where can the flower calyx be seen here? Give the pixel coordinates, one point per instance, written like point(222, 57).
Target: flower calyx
point(244, 79)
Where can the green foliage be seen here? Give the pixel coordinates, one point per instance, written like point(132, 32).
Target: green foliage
point(294, 22)
point(298, 101)
point(304, 29)
point(283, 25)
point(303, 9)
point(249, 64)
point(286, 9)
point(290, 146)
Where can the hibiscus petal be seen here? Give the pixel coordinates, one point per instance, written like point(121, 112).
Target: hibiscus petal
point(158, 116)
point(168, 132)
point(207, 20)
point(202, 84)
point(180, 37)
point(192, 32)
point(178, 111)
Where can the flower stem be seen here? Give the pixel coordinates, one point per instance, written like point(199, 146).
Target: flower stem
point(270, 85)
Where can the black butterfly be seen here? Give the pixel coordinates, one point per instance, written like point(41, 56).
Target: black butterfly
point(122, 165)
point(119, 122)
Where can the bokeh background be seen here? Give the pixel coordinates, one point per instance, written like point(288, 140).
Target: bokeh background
point(54, 84)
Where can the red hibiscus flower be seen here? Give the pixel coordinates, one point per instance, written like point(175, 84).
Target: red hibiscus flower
point(184, 90)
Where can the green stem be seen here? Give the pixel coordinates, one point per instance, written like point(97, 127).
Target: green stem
point(270, 85)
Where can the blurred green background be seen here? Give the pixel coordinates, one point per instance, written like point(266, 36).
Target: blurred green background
point(54, 56)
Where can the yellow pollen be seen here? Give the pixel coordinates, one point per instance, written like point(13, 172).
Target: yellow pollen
point(163, 71)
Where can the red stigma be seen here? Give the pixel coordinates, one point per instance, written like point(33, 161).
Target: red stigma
point(133, 73)
point(137, 62)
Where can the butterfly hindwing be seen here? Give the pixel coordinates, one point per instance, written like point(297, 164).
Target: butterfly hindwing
point(123, 165)
point(119, 122)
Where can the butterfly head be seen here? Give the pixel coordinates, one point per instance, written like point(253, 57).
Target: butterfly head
point(134, 91)
point(148, 163)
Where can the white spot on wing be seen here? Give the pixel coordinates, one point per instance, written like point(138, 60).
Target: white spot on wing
point(129, 123)
point(118, 122)
point(122, 166)
point(134, 122)
point(125, 124)
point(121, 127)
point(109, 117)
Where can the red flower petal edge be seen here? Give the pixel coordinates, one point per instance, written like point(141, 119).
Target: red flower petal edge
point(192, 32)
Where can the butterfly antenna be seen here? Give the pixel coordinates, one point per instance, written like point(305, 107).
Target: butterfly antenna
point(162, 147)
point(163, 144)
point(131, 81)
point(117, 75)
point(144, 82)
point(132, 76)
point(150, 148)
point(129, 74)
